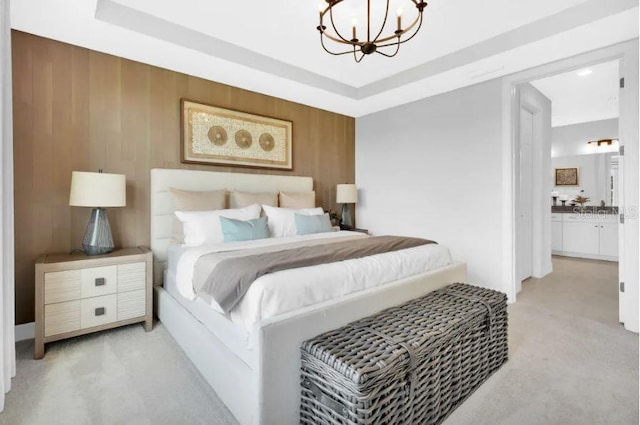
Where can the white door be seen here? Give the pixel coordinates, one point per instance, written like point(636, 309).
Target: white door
point(622, 306)
point(524, 232)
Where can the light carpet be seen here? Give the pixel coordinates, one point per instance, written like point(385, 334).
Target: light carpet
point(570, 363)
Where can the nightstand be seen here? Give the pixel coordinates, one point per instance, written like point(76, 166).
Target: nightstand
point(78, 294)
point(353, 229)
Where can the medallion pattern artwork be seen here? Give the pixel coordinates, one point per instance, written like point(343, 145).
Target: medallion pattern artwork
point(207, 130)
point(217, 135)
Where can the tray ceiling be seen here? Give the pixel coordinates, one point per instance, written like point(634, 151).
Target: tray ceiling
point(272, 47)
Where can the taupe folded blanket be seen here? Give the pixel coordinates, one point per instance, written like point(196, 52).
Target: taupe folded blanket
point(232, 277)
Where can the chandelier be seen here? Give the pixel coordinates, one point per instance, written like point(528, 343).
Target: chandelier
point(373, 41)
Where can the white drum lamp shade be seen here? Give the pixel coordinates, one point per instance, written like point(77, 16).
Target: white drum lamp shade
point(347, 194)
point(98, 191)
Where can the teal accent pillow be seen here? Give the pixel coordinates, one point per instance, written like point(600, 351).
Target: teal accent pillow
point(308, 224)
point(244, 230)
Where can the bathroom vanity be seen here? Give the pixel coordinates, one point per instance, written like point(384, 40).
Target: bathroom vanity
point(592, 233)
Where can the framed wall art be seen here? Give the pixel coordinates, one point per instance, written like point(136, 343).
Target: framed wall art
point(213, 135)
point(566, 177)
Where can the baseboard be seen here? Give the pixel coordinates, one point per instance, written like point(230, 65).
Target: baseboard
point(25, 331)
point(588, 256)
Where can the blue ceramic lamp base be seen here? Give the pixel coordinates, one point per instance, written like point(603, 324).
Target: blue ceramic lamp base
point(97, 238)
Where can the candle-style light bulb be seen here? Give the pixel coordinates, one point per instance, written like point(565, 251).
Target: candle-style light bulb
point(354, 23)
point(399, 12)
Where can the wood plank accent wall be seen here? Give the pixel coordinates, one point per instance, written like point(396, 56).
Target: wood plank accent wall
point(77, 109)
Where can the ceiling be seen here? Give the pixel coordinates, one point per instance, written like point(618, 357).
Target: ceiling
point(272, 47)
point(579, 98)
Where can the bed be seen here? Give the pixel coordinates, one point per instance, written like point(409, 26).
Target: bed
point(254, 367)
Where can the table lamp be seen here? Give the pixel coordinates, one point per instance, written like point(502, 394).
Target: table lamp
point(98, 191)
point(347, 194)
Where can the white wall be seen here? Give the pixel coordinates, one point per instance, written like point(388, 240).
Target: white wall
point(433, 168)
point(572, 139)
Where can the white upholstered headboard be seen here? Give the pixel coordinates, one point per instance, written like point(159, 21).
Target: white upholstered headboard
point(162, 207)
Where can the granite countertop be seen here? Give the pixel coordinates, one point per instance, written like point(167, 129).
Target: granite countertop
point(588, 208)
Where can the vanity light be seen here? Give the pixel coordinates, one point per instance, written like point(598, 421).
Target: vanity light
point(607, 142)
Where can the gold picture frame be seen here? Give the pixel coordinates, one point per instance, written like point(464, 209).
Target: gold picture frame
point(218, 136)
point(566, 177)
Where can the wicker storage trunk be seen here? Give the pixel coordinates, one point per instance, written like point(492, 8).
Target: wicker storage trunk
point(411, 364)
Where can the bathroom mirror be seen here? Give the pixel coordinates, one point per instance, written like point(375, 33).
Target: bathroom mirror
point(597, 177)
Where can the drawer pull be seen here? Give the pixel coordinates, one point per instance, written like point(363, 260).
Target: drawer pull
point(99, 311)
point(100, 281)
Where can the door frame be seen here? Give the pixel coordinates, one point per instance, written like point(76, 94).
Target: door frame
point(627, 53)
point(533, 110)
point(529, 98)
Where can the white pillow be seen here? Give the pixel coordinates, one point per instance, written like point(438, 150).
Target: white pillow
point(282, 221)
point(203, 227)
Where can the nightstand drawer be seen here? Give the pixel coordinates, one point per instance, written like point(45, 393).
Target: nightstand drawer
point(97, 281)
point(97, 311)
point(131, 304)
point(61, 317)
point(132, 277)
point(61, 286)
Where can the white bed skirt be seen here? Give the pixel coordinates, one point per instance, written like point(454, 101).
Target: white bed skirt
point(270, 393)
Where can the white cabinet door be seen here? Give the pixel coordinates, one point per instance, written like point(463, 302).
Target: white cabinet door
point(609, 239)
point(556, 236)
point(580, 236)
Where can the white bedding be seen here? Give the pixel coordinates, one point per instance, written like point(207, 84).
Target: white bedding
point(292, 289)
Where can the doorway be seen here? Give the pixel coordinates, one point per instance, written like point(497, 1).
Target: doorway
point(627, 172)
point(584, 148)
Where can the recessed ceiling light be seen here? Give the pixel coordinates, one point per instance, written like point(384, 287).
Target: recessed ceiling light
point(585, 72)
